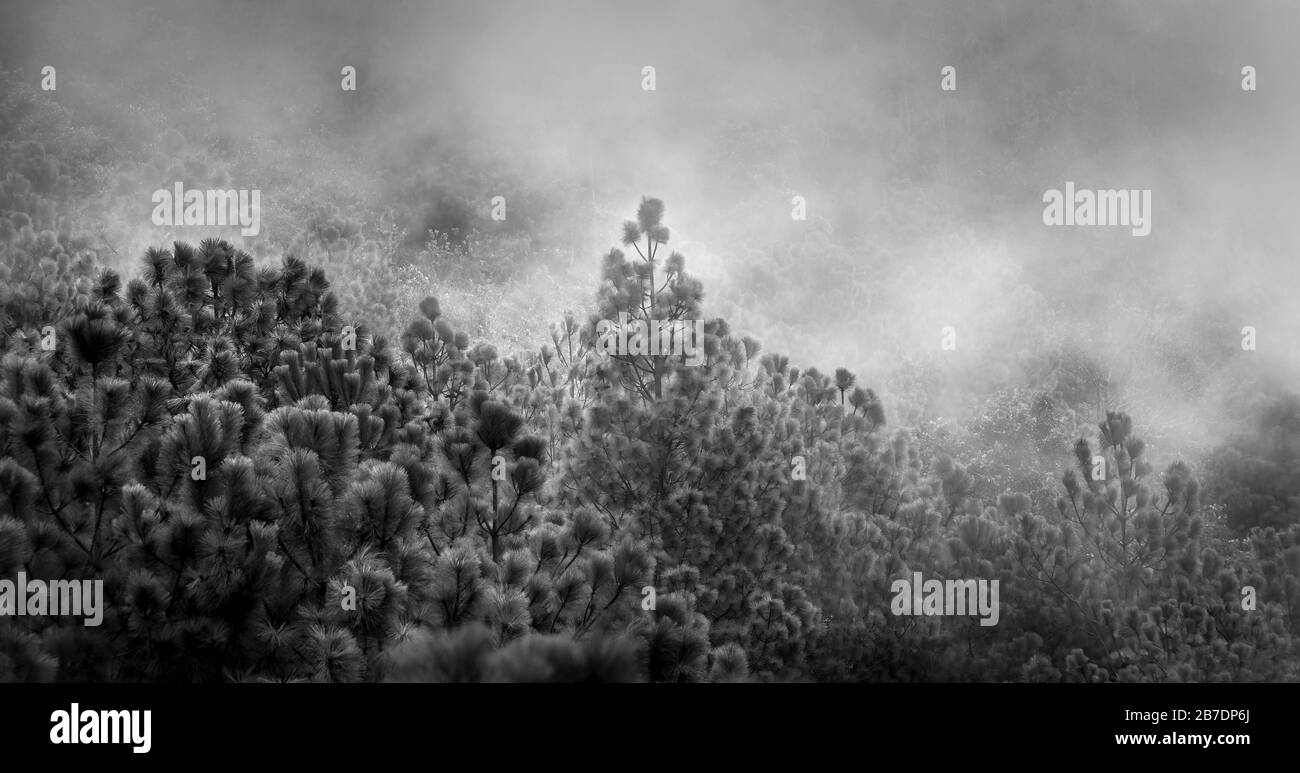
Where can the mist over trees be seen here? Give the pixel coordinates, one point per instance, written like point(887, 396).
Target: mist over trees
point(383, 440)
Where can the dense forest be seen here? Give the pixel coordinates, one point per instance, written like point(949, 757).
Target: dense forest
point(385, 442)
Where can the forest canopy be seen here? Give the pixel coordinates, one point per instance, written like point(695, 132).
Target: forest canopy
point(271, 489)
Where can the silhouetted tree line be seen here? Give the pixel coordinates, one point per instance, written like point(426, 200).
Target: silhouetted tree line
point(417, 506)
